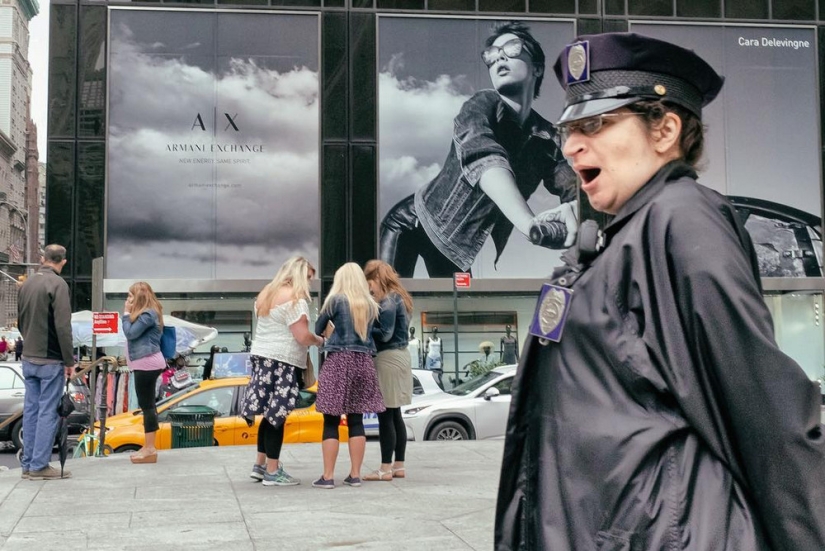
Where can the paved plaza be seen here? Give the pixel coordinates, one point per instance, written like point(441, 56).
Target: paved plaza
point(203, 498)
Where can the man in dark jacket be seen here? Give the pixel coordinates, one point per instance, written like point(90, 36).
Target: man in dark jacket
point(44, 318)
point(664, 416)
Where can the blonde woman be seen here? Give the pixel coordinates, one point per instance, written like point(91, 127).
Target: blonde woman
point(143, 327)
point(347, 383)
point(279, 348)
point(392, 365)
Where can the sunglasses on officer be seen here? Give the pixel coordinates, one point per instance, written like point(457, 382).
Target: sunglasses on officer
point(512, 48)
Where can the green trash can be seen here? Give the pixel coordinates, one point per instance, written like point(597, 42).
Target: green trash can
point(192, 426)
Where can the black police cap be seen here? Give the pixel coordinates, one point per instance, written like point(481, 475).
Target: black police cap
point(603, 72)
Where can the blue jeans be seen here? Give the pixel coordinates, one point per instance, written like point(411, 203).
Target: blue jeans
point(44, 385)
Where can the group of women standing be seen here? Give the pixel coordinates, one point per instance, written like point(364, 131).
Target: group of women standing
point(362, 327)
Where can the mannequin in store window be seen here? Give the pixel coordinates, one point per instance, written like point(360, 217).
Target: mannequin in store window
point(435, 354)
point(509, 347)
point(414, 347)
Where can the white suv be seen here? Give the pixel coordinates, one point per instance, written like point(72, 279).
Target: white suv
point(425, 384)
point(473, 410)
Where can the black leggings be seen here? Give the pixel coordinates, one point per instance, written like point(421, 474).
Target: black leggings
point(355, 422)
point(392, 435)
point(270, 439)
point(145, 382)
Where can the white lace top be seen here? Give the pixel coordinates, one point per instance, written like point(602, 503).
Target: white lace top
point(273, 338)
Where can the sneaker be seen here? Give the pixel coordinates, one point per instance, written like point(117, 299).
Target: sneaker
point(353, 481)
point(258, 472)
point(324, 483)
point(24, 475)
point(280, 478)
point(49, 473)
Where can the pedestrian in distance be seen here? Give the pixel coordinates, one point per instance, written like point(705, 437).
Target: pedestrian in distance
point(18, 349)
point(347, 383)
point(664, 415)
point(392, 364)
point(4, 348)
point(44, 317)
point(501, 151)
point(210, 362)
point(142, 322)
point(279, 349)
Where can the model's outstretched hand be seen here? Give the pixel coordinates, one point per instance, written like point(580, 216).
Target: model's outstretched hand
point(545, 229)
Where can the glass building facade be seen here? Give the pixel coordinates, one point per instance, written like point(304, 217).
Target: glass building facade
point(349, 62)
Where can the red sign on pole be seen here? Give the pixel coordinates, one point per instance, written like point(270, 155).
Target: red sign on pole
point(104, 323)
point(462, 280)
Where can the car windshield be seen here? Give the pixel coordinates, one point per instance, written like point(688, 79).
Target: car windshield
point(473, 384)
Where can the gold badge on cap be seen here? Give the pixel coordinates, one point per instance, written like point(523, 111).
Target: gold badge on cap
point(578, 62)
point(660, 89)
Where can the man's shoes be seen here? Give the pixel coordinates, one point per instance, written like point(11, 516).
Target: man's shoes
point(353, 481)
point(324, 484)
point(24, 475)
point(258, 472)
point(49, 473)
point(280, 478)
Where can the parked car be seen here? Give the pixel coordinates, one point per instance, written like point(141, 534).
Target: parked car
point(425, 383)
point(124, 432)
point(12, 395)
point(474, 410)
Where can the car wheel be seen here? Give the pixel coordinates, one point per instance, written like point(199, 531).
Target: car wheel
point(449, 430)
point(124, 449)
point(17, 434)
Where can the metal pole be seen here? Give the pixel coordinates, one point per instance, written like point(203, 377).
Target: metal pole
point(455, 327)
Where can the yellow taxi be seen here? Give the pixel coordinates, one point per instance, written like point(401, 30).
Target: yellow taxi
point(124, 432)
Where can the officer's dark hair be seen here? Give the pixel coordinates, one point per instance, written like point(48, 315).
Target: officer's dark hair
point(54, 254)
point(692, 139)
point(530, 44)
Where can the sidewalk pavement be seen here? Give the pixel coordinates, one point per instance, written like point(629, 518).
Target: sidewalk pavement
point(203, 498)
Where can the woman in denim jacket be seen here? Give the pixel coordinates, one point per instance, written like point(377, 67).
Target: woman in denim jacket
point(347, 383)
point(392, 365)
point(501, 151)
point(143, 326)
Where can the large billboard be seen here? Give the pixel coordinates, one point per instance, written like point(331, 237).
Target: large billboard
point(213, 143)
point(762, 145)
point(442, 123)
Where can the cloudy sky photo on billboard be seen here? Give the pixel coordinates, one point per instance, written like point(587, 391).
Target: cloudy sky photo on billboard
point(213, 144)
point(428, 68)
point(762, 138)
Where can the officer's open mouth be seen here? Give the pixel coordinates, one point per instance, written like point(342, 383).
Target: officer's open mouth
point(589, 174)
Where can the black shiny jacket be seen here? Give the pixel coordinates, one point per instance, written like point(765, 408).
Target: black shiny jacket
point(666, 418)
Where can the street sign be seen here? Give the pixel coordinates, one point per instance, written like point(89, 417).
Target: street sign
point(104, 323)
point(462, 280)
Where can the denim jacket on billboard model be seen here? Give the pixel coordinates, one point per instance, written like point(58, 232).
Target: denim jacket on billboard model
point(344, 338)
point(456, 214)
point(143, 335)
point(391, 329)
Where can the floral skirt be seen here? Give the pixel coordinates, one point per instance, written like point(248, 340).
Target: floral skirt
point(348, 384)
point(272, 390)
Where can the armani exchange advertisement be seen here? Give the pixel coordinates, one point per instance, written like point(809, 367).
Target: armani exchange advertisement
point(762, 140)
point(442, 124)
point(213, 159)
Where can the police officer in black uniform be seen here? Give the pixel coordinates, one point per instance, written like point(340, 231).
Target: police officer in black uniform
point(652, 408)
